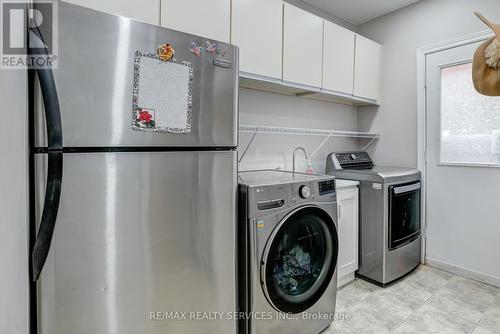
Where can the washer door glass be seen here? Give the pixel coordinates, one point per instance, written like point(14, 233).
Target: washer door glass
point(301, 259)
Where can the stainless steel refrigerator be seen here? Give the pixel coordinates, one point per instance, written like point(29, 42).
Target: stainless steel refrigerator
point(135, 229)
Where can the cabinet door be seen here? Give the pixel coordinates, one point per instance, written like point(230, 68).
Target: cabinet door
point(256, 27)
point(210, 19)
point(302, 47)
point(144, 10)
point(338, 59)
point(347, 201)
point(367, 68)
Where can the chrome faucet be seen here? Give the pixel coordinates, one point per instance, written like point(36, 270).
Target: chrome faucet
point(300, 148)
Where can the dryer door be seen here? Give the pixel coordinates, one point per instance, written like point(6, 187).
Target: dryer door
point(299, 260)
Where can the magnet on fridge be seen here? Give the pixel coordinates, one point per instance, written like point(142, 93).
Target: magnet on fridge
point(195, 49)
point(211, 47)
point(145, 118)
point(165, 52)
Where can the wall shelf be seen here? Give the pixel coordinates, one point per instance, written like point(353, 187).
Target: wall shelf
point(257, 82)
point(277, 130)
point(307, 132)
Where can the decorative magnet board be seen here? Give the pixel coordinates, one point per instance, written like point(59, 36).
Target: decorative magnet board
point(162, 96)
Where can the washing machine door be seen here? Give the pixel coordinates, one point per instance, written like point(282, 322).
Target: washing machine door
point(299, 260)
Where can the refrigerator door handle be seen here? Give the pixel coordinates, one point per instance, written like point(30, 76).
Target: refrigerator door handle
point(54, 167)
point(49, 213)
point(50, 102)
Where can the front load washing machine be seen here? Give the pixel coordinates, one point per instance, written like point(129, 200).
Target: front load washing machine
point(288, 248)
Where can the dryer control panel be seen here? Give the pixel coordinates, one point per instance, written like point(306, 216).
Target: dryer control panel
point(348, 160)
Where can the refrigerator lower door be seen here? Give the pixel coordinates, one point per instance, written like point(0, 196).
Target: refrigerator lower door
point(140, 238)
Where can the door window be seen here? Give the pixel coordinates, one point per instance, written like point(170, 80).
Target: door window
point(470, 122)
point(301, 260)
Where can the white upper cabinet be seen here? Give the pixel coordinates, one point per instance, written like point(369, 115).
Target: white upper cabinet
point(210, 19)
point(338, 59)
point(144, 10)
point(256, 27)
point(367, 68)
point(302, 47)
point(277, 41)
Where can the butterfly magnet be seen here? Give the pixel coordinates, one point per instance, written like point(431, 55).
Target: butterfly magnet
point(195, 49)
point(213, 49)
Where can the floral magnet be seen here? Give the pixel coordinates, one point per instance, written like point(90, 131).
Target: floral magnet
point(145, 118)
point(195, 49)
point(214, 49)
point(165, 52)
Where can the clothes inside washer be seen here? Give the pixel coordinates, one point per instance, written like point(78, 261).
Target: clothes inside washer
point(298, 255)
point(294, 266)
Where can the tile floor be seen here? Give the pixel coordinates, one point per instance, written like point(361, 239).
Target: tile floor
point(426, 301)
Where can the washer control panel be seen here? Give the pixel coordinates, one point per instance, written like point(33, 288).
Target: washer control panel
point(312, 191)
point(304, 191)
point(326, 187)
point(268, 198)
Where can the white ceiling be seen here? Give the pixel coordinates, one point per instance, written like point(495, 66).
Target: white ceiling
point(359, 11)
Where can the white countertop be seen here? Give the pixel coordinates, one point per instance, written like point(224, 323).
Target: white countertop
point(345, 183)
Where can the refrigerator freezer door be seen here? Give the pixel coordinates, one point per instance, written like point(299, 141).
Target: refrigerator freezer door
point(95, 74)
point(137, 234)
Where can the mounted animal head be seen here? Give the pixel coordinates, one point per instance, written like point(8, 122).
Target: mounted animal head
point(486, 63)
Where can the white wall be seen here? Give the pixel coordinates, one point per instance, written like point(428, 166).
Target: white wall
point(467, 240)
point(401, 33)
point(13, 204)
point(272, 151)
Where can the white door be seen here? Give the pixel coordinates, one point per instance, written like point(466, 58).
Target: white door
point(302, 47)
point(145, 10)
point(338, 58)
point(209, 19)
point(367, 68)
point(347, 210)
point(463, 167)
point(260, 44)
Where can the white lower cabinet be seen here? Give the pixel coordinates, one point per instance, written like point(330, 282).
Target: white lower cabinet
point(347, 209)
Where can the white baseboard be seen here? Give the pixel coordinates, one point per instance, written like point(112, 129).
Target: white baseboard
point(345, 279)
point(476, 275)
